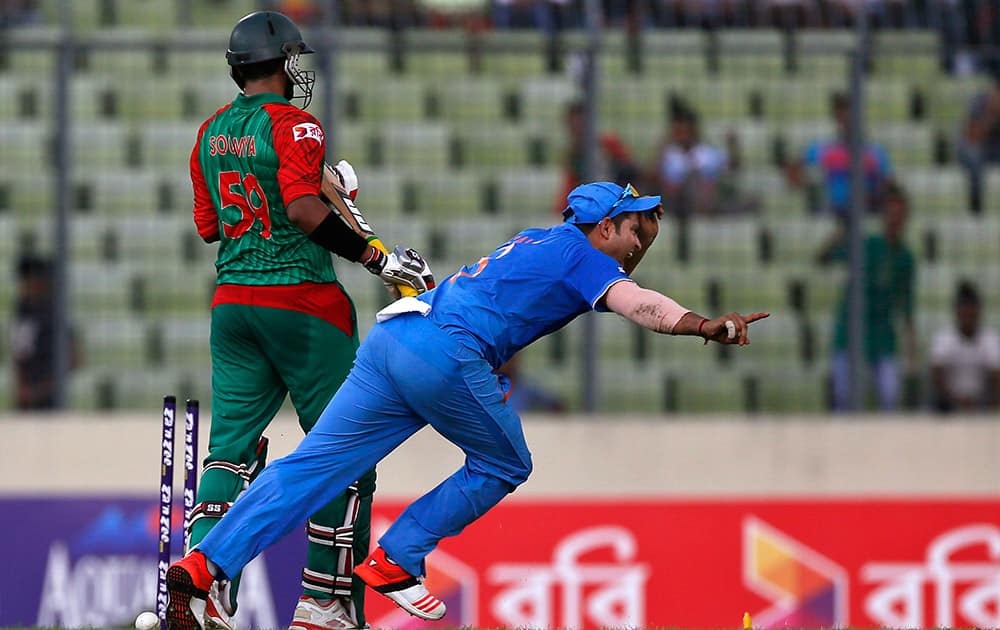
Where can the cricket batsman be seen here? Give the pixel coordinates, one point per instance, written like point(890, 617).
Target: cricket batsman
point(433, 359)
point(281, 322)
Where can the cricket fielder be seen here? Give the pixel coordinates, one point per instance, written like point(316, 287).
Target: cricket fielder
point(281, 322)
point(433, 360)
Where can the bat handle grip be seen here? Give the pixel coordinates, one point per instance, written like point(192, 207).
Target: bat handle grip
point(404, 290)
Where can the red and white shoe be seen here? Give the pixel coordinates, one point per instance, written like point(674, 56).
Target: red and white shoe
point(188, 583)
point(408, 592)
point(218, 615)
point(311, 614)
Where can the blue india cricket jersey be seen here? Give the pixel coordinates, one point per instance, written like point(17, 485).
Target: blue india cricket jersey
point(532, 285)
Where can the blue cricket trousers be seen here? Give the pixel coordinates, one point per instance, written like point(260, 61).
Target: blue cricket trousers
point(408, 373)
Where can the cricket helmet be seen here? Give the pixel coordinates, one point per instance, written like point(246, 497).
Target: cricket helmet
point(269, 35)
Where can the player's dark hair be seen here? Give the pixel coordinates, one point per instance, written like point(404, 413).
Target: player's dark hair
point(253, 71)
point(894, 191)
point(838, 101)
point(587, 228)
point(966, 294)
point(31, 266)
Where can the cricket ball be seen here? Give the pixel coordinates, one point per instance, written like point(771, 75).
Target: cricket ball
point(147, 621)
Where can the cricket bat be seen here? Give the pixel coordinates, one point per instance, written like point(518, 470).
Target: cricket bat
point(340, 201)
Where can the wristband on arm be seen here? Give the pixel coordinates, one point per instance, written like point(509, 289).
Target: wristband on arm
point(333, 234)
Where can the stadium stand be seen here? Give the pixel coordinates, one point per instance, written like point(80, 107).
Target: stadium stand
point(458, 138)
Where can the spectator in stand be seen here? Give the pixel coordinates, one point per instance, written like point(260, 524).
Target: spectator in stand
point(965, 359)
point(979, 143)
point(829, 162)
point(612, 163)
point(32, 336)
point(687, 171)
point(889, 287)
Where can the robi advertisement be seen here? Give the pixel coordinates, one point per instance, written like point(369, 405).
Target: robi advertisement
point(564, 563)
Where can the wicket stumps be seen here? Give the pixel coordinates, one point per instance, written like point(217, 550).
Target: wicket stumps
point(167, 490)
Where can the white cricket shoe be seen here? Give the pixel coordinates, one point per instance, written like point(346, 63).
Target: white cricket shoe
point(310, 614)
point(218, 615)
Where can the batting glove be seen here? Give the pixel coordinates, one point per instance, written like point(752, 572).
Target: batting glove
point(402, 266)
point(348, 178)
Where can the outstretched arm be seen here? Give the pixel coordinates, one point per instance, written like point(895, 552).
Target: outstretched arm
point(661, 314)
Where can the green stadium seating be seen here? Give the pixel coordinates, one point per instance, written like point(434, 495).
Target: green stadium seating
point(380, 195)
point(470, 101)
point(628, 98)
point(26, 148)
point(489, 147)
point(544, 100)
point(798, 240)
point(949, 101)
point(792, 389)
point(100, 143)
point(513, 55)
point(199, 53)
point(6, 387)
point(91, 98)
point(674, 53)
point(908, 144)
point(469, 241)
point(755, 139)
point(529, 193)
point(935, 191)
point(448, 195)
point(437, 54)
point(350, 141)
point(750, 53)
point(969, 241)
point(154, 15)
point(623, 384)
point(456, 157)
point(218, 14)
point(360, 54)
point(185, 340)
point(29, 195)
point(22, 97)
point(99, 289)
point(413, 145)
point(732, 243)
point(643, 139)
point(84, 15)
point(780, 201)
point(909, 53)
point(157, 239)
point(393, 101)
point(784, 99)
point(992, 187)
point(123, 54)
point(206, 97)
point(754, 286)
point(886, 100)
point(120, 342)
point(171, 288)
point(131, 193)
point(166, 145)
point(700, 391)
point(823, 53)
point(30, 51)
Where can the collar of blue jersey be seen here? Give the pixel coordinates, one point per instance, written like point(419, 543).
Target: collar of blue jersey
point(590, 203)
